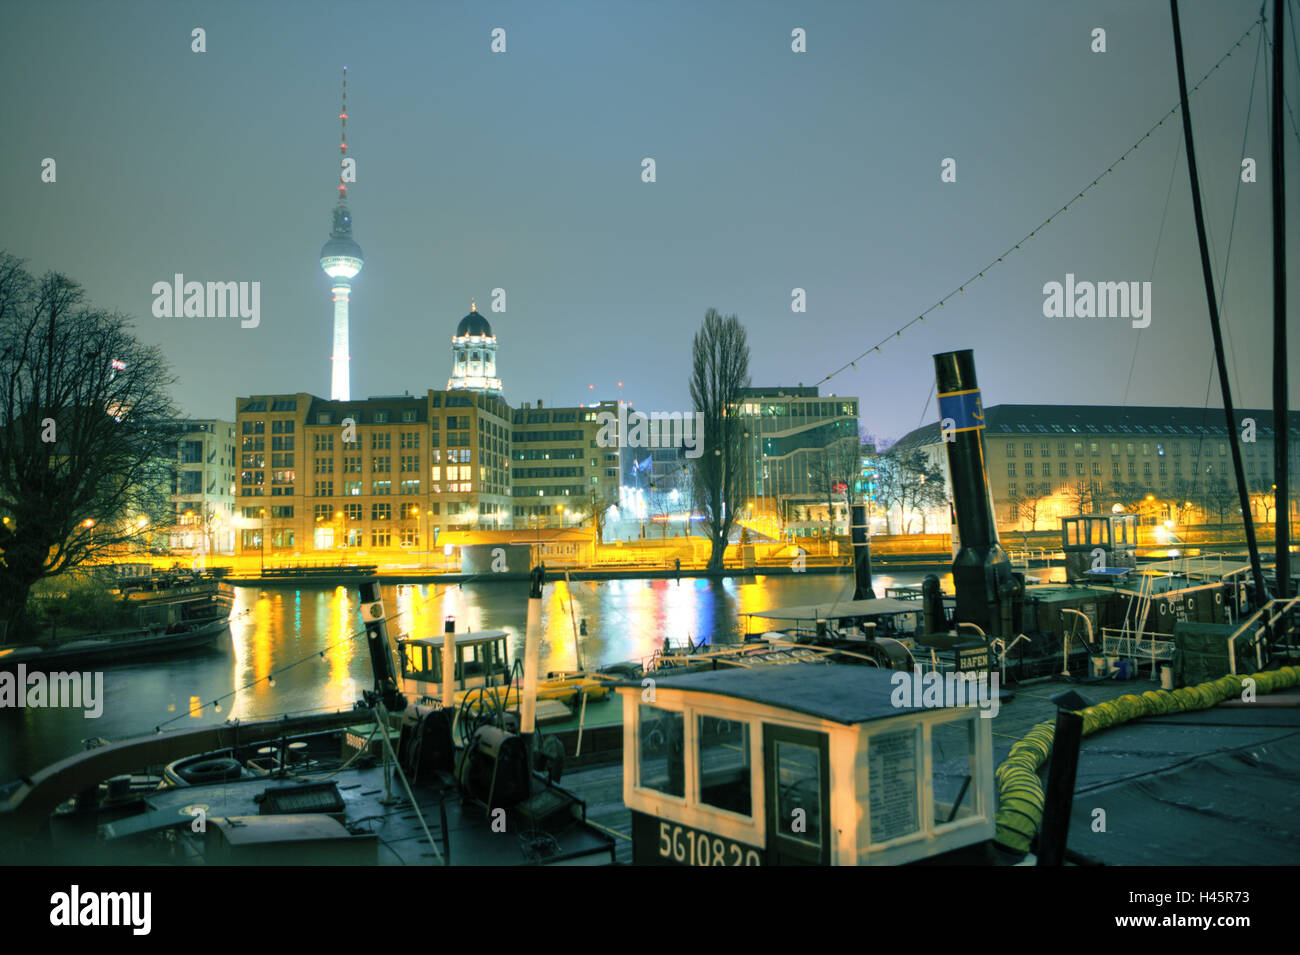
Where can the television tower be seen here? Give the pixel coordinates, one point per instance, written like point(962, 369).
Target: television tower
point(340, 257)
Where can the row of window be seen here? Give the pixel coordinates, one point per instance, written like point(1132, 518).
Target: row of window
point(377, 488)
point(1148, 448)
point(573, 490)
point(1064, 471)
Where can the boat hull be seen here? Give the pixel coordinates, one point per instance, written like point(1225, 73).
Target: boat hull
point(110, 649)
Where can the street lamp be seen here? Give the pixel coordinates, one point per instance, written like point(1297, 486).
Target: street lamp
point(416, 511)
point(262, 553)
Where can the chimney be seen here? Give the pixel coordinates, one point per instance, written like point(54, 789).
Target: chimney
point(981, 567)
point(862, 589)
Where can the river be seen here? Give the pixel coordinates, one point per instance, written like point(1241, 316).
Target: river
point(308, 638)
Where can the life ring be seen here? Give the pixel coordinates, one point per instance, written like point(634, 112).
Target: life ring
point(211, 771)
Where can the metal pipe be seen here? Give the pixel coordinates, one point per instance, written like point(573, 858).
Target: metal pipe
point(449, 664)
point(381, 652)
point(532, 652)
point(861, 535)
point(932, 604)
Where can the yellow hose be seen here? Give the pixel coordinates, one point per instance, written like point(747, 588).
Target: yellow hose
point(1020, 791)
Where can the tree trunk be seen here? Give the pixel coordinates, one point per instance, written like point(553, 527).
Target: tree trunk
point(717, 553)
point(15, 622)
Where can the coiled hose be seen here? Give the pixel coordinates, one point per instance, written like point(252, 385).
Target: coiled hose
point(1020, 791)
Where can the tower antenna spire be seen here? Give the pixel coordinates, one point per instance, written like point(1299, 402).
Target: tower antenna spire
point(343, 141)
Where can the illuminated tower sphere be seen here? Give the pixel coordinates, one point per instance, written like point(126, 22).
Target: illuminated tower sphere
point(474, 356)
point(340, 258)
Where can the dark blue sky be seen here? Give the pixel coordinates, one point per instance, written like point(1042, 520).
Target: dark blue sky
point(522, 170)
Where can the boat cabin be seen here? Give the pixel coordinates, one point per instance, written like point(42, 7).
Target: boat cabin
point(1098, 544)
point(482, 659)
point(802, 764)
point(843, 619)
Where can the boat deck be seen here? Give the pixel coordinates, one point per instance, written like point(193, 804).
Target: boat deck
point(1232, 763)
point(463, 824)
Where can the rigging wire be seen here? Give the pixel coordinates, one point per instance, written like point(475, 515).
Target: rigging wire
point(1286, 100)
point(961, 289)
point(1223, 283)
point(1169, 191)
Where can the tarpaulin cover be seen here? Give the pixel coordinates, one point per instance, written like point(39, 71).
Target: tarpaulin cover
point(1239, 807)
point(1201, 652)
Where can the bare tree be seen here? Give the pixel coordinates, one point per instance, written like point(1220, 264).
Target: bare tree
point(891, 484)
point(1129, 494)
point(907, 480)
point(1031, 510)
point(1083, 496)
point(1221, 498)
point(719, 375)
point(836, 471)
point(85, 457)
point(933, 492)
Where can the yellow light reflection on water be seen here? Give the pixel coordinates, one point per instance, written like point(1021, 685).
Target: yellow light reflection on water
point(560, 611)
point(341, 642)
point(252, 639)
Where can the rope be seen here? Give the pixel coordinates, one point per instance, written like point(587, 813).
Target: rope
point(961, 289)
point(381, 719)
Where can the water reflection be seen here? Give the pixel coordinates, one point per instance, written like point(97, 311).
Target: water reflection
point(319, 629)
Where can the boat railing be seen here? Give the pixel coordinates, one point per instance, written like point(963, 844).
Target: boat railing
point(1157, 647)
point(1024, 557)
point(1261, 620)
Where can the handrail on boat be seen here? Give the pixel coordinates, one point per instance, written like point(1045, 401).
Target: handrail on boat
point(1245, 624)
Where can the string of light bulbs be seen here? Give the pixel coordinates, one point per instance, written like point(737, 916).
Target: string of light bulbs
point(961, 289)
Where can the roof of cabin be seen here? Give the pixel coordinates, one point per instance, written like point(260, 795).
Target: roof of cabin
point(840, 693)
point(839, 609)
point(477, 636)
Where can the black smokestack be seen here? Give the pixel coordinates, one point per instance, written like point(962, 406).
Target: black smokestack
point(981, 566)
point(858, 528)
point(381, 651)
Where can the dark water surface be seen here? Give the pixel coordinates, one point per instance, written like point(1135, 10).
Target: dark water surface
point(276, 626)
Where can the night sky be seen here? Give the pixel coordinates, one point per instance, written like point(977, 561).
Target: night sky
point(775, 170)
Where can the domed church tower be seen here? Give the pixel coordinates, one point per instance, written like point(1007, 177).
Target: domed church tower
point(474, 356)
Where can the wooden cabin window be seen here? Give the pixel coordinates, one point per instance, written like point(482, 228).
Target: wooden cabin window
point(952, 762)
point(661, 751)
point(724, 765)
point(798, 777)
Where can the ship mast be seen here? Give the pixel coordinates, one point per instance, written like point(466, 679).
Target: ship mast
point(1225, 388)
point(1281, 412)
